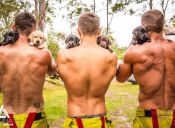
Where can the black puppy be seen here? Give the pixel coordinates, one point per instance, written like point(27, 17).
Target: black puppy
point(140, 36)
point(10, 37)
point(72, 41)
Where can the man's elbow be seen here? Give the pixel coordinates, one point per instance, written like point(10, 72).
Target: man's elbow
point(120, 80)
point(51, 72)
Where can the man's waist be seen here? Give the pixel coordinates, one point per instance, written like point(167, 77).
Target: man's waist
point(20, 110)
point(88, 116)
point(84, 109)
point(37, 115)
point(150, 112)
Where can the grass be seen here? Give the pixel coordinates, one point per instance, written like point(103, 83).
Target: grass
point(121, 102)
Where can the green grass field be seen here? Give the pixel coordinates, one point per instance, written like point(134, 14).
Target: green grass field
point(121, 102)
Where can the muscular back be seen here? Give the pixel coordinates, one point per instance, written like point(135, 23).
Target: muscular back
point(22, 75)
point(86, 72)
point(153, 67)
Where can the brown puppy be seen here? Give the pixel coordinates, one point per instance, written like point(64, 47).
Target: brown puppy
point(37, 39)
point(104, 42)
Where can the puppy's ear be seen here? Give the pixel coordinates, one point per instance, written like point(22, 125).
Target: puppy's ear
point(45, 39)
point(13, 27)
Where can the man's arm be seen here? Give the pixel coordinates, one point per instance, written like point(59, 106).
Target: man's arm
point(125, 68)
point(60, 59)
point(52, 68)
point(51, 64)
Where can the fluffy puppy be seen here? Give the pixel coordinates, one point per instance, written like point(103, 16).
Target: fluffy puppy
point(140, 36)
point(72, 41)
point(37, 39)
point(104, 42)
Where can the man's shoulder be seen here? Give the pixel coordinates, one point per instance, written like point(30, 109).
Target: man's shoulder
point(112, 56)
point(44, 55)
point(107, 56)
point(135, 53)
point(63, 55)
point(45, 52)
point(168, 42)
point(63, 52)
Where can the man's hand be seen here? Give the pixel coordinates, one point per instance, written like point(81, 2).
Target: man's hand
point(52, 68)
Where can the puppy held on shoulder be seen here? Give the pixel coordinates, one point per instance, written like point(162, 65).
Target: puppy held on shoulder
point(72, 41)
point(10, 37)
point(140, 36)
point(37, 39)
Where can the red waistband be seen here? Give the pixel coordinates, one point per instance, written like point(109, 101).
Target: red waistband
point(80, 123)
point(28, 123)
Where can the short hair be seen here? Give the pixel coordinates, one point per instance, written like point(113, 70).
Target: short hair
point(88, 23)
point(24, 22)
point(153, 20)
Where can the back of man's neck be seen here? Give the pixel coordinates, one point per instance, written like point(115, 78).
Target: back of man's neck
point(156, 36)
point(88, 40)
point(23, 39)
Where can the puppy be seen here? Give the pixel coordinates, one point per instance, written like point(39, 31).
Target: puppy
point(10, 37)
point(104, 42)
point(140, 36)
point(37, 39)
point(72, 41)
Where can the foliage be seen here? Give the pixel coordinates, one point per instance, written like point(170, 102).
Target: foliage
point(120, 52)
point(8, 9)
point(74, 9)
point(54, 48)
point(173, 22)
point(53, 39)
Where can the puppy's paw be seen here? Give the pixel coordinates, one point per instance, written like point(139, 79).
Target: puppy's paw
point(41, 46)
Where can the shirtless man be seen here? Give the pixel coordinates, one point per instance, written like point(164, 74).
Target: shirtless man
point(22, 75)
point(87, 71)
point(153, 65)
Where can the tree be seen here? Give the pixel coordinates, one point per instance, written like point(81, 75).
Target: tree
point(164, 5)
point(40, 13)
point(74, 9)
point(54, 39)
point(151, 4)
point(94, 6)
point(8, 9)
point(173, 21)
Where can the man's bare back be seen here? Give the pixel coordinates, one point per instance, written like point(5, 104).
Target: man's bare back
point(22, 74)
point(86, 71)
point(153, 67)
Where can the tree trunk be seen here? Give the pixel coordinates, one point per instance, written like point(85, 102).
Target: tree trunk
point(94, 7)
point(40, 10)
point(151, 4)
point(164, 6)
point(36, 13)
